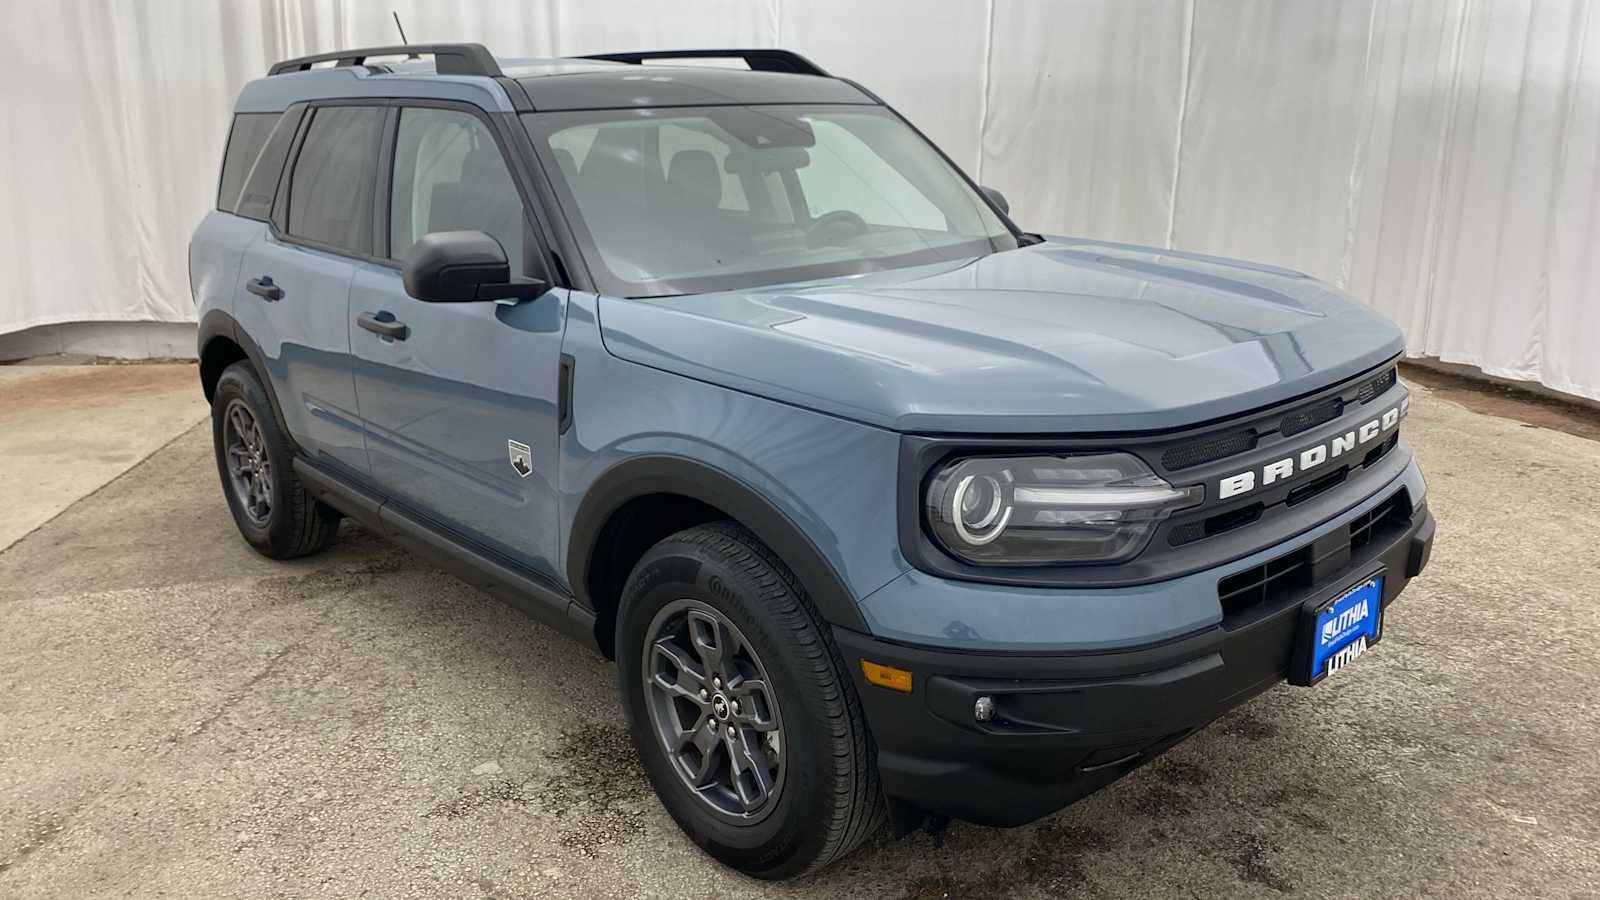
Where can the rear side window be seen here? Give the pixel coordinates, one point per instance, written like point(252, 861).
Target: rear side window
point(245, 143)
point(330, 190)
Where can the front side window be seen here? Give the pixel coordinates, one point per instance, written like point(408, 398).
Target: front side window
point(674, 201)
point(449, 175)
point(330, 191)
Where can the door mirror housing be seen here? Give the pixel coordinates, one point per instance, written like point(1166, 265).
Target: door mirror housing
point(463, 267)
point(997, 198)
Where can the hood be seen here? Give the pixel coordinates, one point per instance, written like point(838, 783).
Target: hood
point(1060, 337)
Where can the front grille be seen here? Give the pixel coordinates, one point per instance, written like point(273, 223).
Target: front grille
point(1377, 386)
point(1308, 417)
point(1391, 514)
point(1220, 445)
point(1382, 450)
point(1189, 532)
point(1208, 449)
point(1306, 491)
point(1290, 574)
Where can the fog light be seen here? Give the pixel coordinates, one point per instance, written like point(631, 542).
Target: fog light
point(983, 710)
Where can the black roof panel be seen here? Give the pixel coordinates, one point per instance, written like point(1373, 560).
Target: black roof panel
point(624, 86)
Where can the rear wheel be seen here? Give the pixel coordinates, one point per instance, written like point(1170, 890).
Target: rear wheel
point(270, 506)
point(740, 706)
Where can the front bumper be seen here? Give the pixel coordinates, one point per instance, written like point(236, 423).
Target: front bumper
point(1067, 725)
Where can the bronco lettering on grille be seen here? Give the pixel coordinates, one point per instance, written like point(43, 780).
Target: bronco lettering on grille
point(1313, 456)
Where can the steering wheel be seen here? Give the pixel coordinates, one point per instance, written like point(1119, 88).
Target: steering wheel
point(830, 227)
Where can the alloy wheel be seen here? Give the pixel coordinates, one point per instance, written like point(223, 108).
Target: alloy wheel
point(714, 710)
point(249, 468)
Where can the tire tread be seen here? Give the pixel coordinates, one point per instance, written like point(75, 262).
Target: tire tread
point(858, 808)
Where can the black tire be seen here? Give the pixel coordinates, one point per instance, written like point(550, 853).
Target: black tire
point(826, 798)
point(290, 522)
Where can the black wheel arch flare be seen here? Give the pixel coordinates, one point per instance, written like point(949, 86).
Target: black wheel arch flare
point(644, 475)
point(218, 325)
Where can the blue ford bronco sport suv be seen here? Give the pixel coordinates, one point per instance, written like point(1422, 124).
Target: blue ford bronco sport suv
point(885, 508)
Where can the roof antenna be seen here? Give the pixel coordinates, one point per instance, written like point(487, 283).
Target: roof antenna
point(402, 29)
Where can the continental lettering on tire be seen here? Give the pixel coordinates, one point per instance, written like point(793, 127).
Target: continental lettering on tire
point(719, 587)
point(1315, 455)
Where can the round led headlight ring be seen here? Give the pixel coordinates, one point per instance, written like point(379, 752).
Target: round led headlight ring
point(979, 509)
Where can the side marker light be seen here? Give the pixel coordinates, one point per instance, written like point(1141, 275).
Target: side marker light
point(887, 676)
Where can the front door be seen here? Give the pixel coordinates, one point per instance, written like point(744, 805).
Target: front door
point(459, 399)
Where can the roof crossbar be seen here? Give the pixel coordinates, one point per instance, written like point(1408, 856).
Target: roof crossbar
point(448, 59)
point(759, 60)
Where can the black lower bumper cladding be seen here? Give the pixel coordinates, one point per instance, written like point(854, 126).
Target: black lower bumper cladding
point(1063, 727)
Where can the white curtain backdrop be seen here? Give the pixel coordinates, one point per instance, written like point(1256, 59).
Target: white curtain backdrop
point(1439, 159)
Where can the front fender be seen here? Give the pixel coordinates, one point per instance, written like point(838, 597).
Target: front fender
point(817, 489)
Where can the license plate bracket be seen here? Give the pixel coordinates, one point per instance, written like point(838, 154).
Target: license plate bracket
point(1335, 630)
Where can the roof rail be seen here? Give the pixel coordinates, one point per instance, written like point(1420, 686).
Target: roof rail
point(448, 59)
point(759, 60)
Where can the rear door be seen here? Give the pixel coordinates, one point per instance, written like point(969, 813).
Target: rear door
point(294, 283)
point(460, 399)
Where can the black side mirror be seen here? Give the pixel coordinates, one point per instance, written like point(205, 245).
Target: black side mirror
point(997, 198)
point(461, 267)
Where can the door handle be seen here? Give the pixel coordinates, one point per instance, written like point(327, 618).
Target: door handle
point(383, 323)
point(264, 288)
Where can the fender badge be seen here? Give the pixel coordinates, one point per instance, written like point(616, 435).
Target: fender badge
point(521, 457)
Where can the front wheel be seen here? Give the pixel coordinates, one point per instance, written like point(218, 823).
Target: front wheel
point(740, 706)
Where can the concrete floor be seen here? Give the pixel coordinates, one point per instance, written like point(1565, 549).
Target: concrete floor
point(67, 430)
point(179, 717)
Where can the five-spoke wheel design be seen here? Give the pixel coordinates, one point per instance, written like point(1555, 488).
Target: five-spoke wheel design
point(714, 710)
point(249, 469)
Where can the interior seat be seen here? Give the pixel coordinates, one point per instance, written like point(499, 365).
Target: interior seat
point(696, 180)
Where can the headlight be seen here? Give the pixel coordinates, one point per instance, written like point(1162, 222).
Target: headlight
point(1047, 510)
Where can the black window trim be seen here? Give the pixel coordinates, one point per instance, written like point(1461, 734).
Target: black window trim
point(564, 262)
point(222, 168)
point(557, 268)
point(380, 191)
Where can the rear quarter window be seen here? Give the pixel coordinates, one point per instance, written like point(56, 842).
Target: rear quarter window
point(258, 146)
point(246, 140)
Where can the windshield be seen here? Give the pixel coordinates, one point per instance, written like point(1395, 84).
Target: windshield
point(690, 200)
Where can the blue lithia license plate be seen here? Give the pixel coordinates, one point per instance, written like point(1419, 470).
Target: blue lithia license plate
point(1338, 631)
